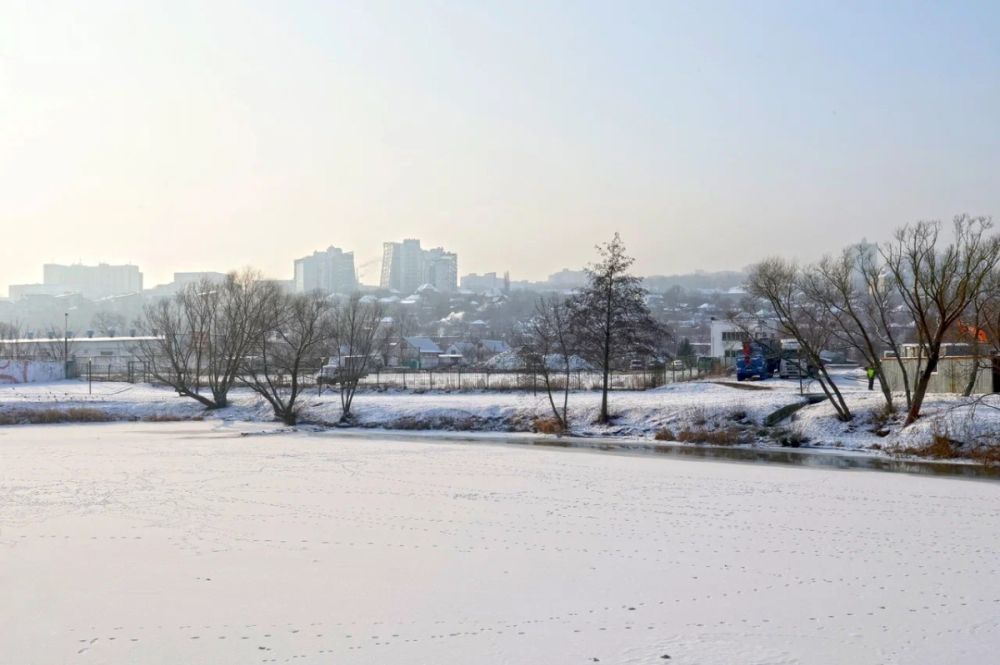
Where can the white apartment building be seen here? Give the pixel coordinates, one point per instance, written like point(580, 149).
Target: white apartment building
point(330, 271)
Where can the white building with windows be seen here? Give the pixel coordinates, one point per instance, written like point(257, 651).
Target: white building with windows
point(406, 267)
point(94, 282)
point(330, 271)
point(727, 337)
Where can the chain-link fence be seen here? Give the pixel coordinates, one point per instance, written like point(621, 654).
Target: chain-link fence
point(129, 370)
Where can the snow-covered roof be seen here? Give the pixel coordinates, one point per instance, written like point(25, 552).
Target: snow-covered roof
point(423, 344)
point(495, 345)
point(73, 340)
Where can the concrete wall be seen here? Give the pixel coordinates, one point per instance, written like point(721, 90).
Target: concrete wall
point(31, 371)
point(951, 376)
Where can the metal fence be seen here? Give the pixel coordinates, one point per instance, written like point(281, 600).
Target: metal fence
point(452, 378)
point(474, 379)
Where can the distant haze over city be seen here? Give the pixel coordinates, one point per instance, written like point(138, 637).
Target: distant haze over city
point(205, 137)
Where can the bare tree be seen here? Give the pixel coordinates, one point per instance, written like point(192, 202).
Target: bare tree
point(402, 324)
point(175, 354)
point(938, 284)
point(610, 315)
point(296, 336)
point(880, 305)
point(778, 283)
point(836, 285)
point(359, 330)
point(974, 329)
point(205, 334)
point(10, 340)
point(551, 345)
point(106, 323)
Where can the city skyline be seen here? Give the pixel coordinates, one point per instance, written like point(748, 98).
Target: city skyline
point(183, 137)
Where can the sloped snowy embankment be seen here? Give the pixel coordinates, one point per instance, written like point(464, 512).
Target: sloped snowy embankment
point(690, 411)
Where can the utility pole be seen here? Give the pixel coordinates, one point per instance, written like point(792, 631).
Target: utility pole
point(65, 345)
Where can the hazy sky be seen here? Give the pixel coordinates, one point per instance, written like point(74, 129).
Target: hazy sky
point(210, 135)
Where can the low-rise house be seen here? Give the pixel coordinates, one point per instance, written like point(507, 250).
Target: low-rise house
point(478, 351)
point(419, 352)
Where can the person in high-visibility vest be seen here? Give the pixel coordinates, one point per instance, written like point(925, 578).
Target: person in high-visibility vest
point(870, 371)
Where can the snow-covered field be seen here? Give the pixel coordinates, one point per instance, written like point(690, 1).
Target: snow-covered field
point(188, 543)
point(697, 406)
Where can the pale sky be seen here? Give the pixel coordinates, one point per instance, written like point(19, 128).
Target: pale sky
point(211, 135)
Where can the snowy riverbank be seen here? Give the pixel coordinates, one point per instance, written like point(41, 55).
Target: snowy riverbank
point(693, 412)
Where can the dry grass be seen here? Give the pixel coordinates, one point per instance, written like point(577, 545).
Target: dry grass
point(943, 448)
point(940, 447)
point(698, 416)
point(665, 434)
point(547, 426)
point(53, 416)
point(946, 445)
point(988, 455)
point(728, 436)
point(792, 437)
point(167, 418)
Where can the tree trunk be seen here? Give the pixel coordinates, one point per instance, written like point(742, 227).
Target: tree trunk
point(973, 374)
point(918, 394)
point(884, 385)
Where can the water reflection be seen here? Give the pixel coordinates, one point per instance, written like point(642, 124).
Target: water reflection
point(800, 457)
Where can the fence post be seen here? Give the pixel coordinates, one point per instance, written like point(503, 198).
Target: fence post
point(487, 379)
point(430, 379)
point(90, 377)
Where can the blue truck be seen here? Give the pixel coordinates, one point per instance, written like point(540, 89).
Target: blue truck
point(760, 360)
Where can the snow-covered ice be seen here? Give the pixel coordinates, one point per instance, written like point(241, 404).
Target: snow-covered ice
point(189, 543)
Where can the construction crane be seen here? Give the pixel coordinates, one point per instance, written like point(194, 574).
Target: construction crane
point(361, 269)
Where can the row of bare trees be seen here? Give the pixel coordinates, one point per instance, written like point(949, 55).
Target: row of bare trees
point(246, 331)
point(940, 288)
point(604, 323)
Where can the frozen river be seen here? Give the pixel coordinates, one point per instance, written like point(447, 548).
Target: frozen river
point(189, 543)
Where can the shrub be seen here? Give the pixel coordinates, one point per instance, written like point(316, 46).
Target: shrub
point(988, 455)
point(163, 418)
point(791, 438)
point(728, 436)
point(547, 426)
point(53, 416)
point(738, 415)
point(698, 416)
point(940, 447)
point(665, 434)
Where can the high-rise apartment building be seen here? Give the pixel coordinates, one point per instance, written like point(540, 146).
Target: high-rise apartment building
point(441, 269)
point(406, 267)
point(330, 271)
